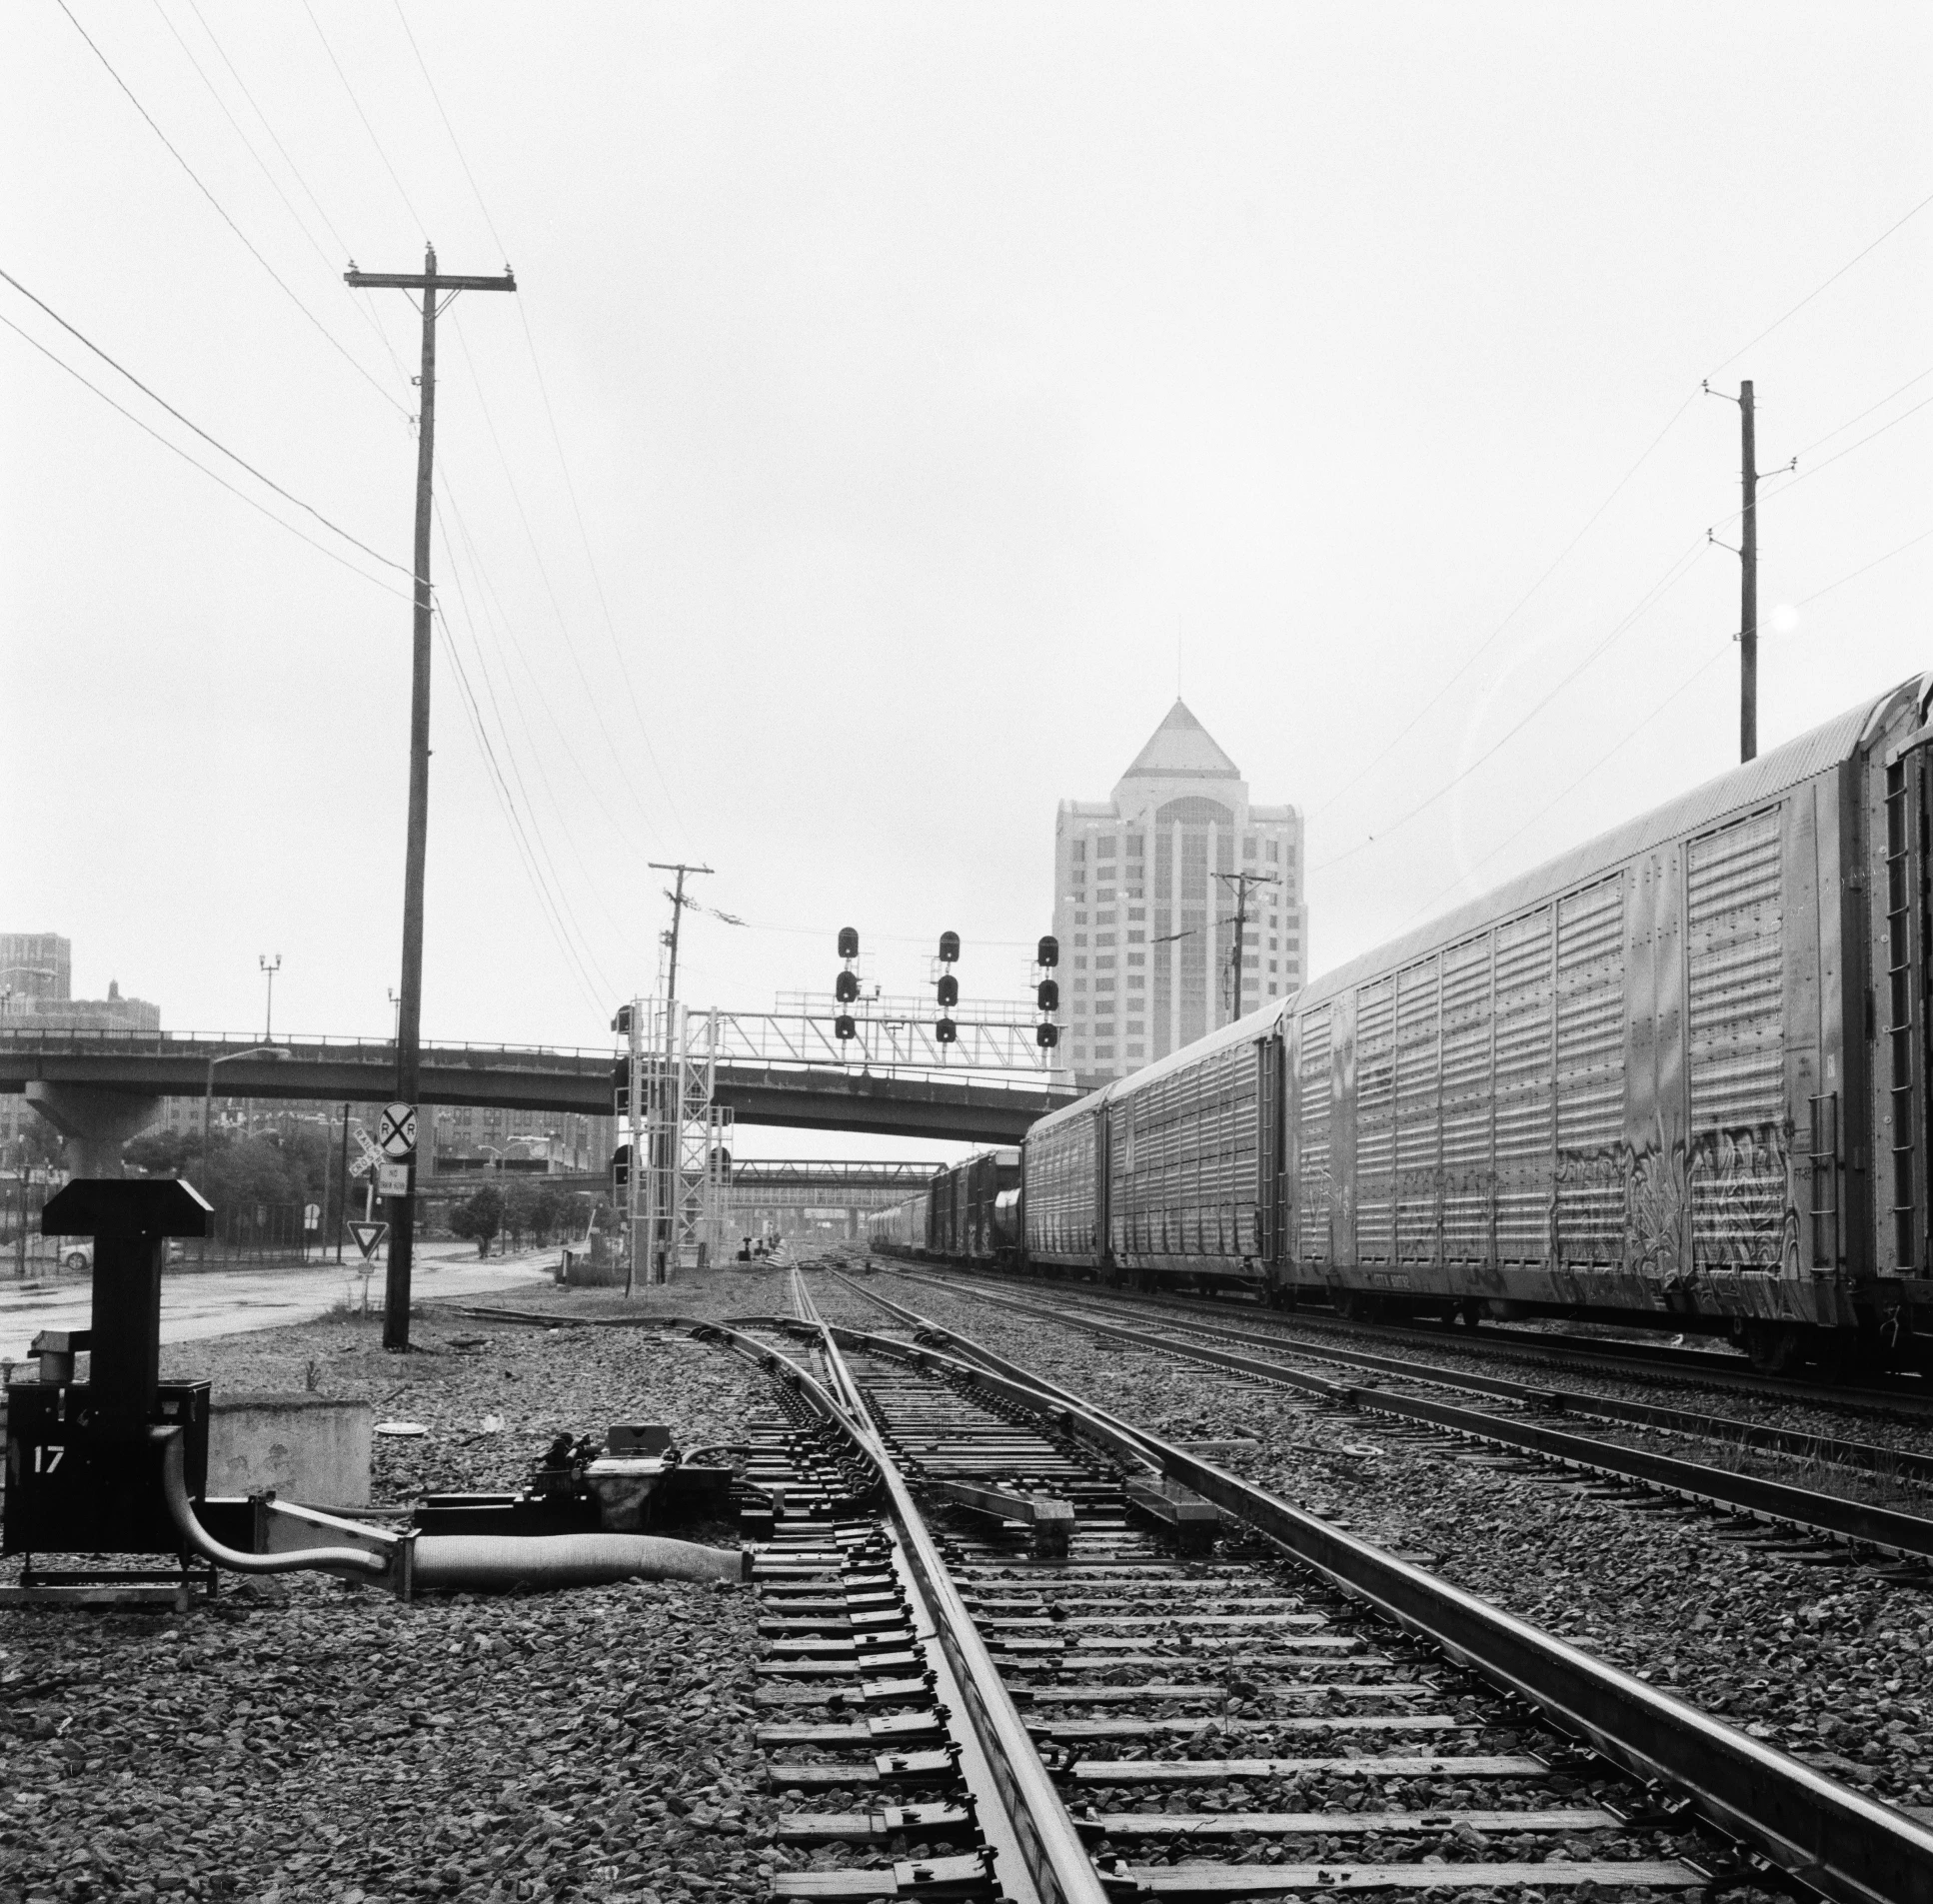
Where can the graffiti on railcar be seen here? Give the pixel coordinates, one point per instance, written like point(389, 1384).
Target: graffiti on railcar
point(1719, 1200)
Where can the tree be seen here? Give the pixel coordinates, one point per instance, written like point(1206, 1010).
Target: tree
point(479, 1217)
point(533, 1209)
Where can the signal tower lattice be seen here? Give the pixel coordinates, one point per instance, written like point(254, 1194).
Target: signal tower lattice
point(671, 1174)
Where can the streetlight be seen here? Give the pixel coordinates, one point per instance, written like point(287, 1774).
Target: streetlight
point(271, 967)
point(208, 1103)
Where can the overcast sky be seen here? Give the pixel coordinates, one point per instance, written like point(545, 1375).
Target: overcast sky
point(896, 402)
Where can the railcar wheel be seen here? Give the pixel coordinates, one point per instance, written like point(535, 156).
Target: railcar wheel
point(1774, 1346)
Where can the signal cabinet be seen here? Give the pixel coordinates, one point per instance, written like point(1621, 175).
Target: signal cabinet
point(71, 1491)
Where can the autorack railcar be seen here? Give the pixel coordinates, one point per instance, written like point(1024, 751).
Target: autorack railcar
point(1679, 1073)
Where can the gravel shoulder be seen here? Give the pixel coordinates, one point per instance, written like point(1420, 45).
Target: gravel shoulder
point(1829, 1663)
point(317, 1740)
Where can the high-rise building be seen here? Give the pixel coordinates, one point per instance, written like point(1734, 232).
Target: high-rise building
point(1147, 888)
point(35, 966)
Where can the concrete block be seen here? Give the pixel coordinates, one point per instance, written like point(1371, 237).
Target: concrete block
point(310, 1448)
point(579, 1270)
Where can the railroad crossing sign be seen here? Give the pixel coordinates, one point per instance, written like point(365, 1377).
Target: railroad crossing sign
point(370, 1155)
point(398, 1137)
point(368, 1237)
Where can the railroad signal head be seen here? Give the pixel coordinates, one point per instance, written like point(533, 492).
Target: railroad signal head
point(621, 1088)
point(1048, 952)
point(622, 1022)
point(946, 1031)
point(949, 947)
point(1048, 997)
point(1046, 1036)
point(844, 1029)
point(948, 989)
point(620, 1169)
point(848, 941)
point(846, 987)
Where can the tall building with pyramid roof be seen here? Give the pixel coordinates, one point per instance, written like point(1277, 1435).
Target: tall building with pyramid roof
point(1148, 888)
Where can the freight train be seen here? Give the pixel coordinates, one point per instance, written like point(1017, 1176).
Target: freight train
point(1678, 1074)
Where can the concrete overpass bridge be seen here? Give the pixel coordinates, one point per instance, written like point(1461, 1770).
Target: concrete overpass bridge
point(101, 1087)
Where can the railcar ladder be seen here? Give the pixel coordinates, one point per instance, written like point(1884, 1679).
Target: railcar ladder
point(1905, 1002)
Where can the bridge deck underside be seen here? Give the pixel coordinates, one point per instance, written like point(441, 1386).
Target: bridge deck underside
point(804, 1099)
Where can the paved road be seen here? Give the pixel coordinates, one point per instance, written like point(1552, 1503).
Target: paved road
point(228, 1302)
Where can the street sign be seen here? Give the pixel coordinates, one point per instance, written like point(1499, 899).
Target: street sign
point(398, 1137)
point(392, 1180)
point(368, 1237)
point(311, 1216)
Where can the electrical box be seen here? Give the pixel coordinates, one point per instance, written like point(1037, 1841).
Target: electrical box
point(71, 1489)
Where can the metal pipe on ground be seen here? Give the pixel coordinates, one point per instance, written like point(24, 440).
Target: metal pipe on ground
point(493, 1562)
point(180, 1509)
point(465, 1562)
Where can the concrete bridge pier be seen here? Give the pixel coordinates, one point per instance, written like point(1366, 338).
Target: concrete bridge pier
point(94, 1120)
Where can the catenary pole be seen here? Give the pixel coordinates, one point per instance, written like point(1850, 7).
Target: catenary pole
point(409, 1014)
point(1748, 580)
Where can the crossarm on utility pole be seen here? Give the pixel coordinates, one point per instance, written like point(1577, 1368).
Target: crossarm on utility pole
point(423, 280)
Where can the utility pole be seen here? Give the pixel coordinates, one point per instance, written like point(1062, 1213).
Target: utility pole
point(1748, 580)
point(1242, 882)
point(408, 1016)
point(663, 1142)
point(1747, 553)
point(678, 913)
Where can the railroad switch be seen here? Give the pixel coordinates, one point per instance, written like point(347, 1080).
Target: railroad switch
point(1191, 1520)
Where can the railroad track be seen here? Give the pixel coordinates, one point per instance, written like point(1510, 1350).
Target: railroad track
point(1905, 1396)
point(1016, 1647)
point(1833, 1527)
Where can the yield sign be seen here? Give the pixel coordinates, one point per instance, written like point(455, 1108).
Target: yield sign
point(398, 1134)
point(367, 1236)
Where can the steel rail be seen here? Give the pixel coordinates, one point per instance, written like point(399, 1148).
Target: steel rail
point(1751, 1434)
point(1906, 1535)
point(1844, 1845)
point(1885, 1393)
point(1056, 1861)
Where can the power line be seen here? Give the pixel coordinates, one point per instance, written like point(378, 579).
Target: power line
point(1827, 285)
point(1698, 674)
point(1463, 668)
point(1854, 576)
point(502, 789)
point(557, 437)
point(294, 169)
point(1679, 568)
point(359, 305)
point(403, 20)
point(1861, 416)
point(544, 574)
point(221, 212)
point(191, 424)
point(260, 507)
point(590, 881)
point(363, 117)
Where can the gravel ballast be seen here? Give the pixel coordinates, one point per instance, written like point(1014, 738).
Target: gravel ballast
point(1831, 1663)
point(309, 1739)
